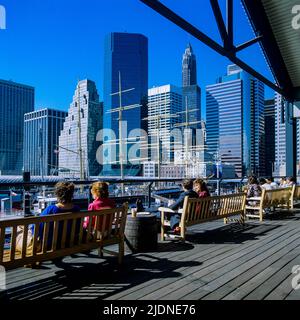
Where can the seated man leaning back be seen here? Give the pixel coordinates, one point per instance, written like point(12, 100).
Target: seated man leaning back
point(187, 186)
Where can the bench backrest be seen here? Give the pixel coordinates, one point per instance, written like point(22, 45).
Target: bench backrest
point(196, 210)
point(62, 234)
point(276, 197)
point(296, 194)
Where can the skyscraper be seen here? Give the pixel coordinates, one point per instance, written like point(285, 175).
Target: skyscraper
point(41, 131)
point(189, 67)
point(164, 102)
point(235, 121)
point(126, 55)
point(280, 137)
point(85, 113)
point(15, 100)
point(191, 92)
point(269, 136)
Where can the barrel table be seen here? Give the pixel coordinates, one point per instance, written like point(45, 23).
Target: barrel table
point(141, 232)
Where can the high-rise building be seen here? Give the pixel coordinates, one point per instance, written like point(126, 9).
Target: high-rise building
point(125, 65)
point(189, 67)
point(15, 100)
point(269, 136)
point(41, 131)
point(191, 92)
point(235, 121)
point(164, 103)
point(85, 114)
point(280, 137)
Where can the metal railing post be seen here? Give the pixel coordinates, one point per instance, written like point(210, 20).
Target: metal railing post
point(26, 195)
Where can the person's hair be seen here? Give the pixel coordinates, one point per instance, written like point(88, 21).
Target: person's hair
point(100, 189)
point(252, 180)
point(64, 192)
point(291, 179)
point(270, 179)
point(202, 184)
point(262, 181)
point(187, 184)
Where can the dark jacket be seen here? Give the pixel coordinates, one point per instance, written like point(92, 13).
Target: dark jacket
point(179, 202)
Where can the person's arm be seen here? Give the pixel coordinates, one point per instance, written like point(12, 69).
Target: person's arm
point(178, 203)
point(86, 220)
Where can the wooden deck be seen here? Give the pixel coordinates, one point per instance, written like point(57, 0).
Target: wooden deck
point(228, 262)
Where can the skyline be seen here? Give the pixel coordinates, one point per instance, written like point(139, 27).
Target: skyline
point(54, 72)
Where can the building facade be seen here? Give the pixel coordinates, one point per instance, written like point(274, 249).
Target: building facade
point(235, 121)
point(41, 131)
point(280, 137)
point(86, 113)
point(164, 104)
point(270, 136)
point(125, 65)
point(15, 100)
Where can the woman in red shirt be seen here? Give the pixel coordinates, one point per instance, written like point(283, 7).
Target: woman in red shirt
point(101, 201)
point(201, 188)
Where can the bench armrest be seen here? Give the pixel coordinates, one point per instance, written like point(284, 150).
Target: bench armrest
point(165, 209)
point(254, 199)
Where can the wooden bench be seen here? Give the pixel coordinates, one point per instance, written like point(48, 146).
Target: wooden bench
point(199, 210)
point(270, 199)
point(108, 230)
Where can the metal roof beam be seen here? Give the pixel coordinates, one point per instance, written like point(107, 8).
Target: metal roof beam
point(183, 24)
point(229, 15)
point(220, 22)
point(248, 43)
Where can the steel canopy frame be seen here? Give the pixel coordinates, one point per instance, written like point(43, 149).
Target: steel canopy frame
point(228, 49)
point(261, 25)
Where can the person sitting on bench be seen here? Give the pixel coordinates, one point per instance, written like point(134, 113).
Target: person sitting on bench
point(64, 192)
point(101, 201)
point(187, 186)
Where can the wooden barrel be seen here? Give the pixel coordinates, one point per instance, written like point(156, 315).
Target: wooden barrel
point(141, 232)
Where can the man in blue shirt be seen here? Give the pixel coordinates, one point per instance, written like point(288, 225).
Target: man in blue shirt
point(178, 204)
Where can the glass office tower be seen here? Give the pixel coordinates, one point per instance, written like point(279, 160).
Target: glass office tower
point(270, 136)
point(41, 131)
point(280, 137)
point(235, 121)
point(126, 54)
point(15, 100)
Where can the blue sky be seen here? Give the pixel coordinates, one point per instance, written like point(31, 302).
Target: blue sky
point(50, 44)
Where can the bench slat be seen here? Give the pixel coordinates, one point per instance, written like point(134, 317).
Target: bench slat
point(13, 243)
point(35, 239)
point(55, 235)
point(45, 236)
point(72, 239)
point(24, 245)
point(64, 234)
